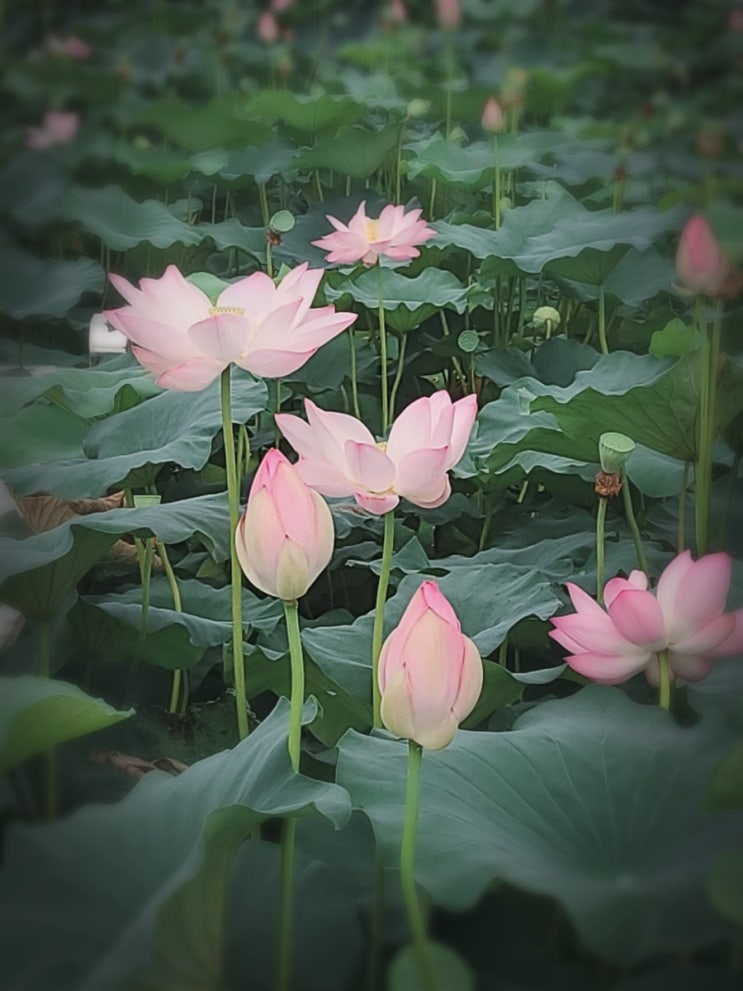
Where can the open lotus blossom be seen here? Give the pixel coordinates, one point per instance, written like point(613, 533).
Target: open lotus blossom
point(430, 673)
point(285, 537)
point(58, 127)
point(186, 341)
point(701, 263)
point(685, 615)
point(338, 455)
point(393, 234)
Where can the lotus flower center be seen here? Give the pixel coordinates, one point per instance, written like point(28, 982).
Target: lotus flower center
point(371, 230)
point(216, 310)
point(382, 445)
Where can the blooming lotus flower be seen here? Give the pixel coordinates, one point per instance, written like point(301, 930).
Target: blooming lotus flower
point(700, 261)
point(58, 127)
point(492, 116)
point(685, 616)
point(186, 341)
point(338, 456)
point(394, 234)
point(430, 673)
point(285, 537)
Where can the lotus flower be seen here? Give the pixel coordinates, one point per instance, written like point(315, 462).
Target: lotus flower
point(285, 537)
point(58, 127)
point(685, 616)
point(270, 331)
point(700, 261)
point(268, 28)
point(492, 116)
point(338, 456)
point(430, 673)
point(393, 234)
point(448, 14)
point(72, 47)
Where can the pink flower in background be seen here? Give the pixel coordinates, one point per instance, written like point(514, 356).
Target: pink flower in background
point(285, 537)
point(448, 14)
point(685, 616)
point(492, 116)
point(269, 330)
point(396, 12)
point(430, 673)
point(71, 47)
point(268, 28)
point(58, 127)
point(279, 5)
point(700, 261)
point(338, 456)
point(393, 234)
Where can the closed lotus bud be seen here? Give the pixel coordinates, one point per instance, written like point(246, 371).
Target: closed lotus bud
point(614, 452)
point(285, 537)
point(492, 116)
point(268, 28)
point(430, 673)
point(700, 261)
point(449, 14)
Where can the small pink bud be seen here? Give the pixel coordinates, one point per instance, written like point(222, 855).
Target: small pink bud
point(700, 261)
point(492, 116)
point(430, 673)
point(285, 536)
point(268, 28)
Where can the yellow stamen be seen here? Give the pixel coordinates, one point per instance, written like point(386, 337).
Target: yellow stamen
point(216, 310)
point(371, 230)
point(382, 445)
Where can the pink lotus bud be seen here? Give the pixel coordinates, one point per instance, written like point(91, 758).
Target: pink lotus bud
point(430, 673)
point(492, 116)
point(285, 536)
point(268, 28)
point(58, 127)
point(396, 12)
point(700, 261)
point(448, 14)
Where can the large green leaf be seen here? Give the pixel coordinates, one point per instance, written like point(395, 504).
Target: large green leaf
point(594, 800)
point(407, 301)
point(309, 114)
point(205, 125)
point(171, 427)
point(132, 895)
point(353, 151)
point(38, 713)
point(44, 287)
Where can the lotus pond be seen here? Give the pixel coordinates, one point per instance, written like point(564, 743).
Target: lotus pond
point(371, 542)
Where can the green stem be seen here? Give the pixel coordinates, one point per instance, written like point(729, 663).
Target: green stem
point(176, 593)
point(233, 496)
point(602, 321)
point(632, 520)
point(496, 184)
point(398, 375)
point(664, 687)
point(600, 565)
point(378, 632)
point(383, 356)
point(263, 197)
point(681, 532)
point(291, 612)
point(407, 867)
point(149, 552)
point(449, 83)
point(707, 384)
point(432, 201)
point(285, 925)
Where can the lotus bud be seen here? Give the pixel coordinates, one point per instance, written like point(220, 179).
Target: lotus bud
point(492, 116)
point(700, 261)
point(449, 14)
point(418, 108)
point(285, 537)
point(614, 452)
point(430, 673)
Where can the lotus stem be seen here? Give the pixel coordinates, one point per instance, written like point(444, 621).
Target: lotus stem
point(681, 532)
point(354, 374)
point(291, 612)
point(602, 321)
point(398, 375)
point(383, 356)
point(177, 605)
point(407, 867)
point(664, 687)
point(233, 496)
point(378, 632)
point(600, 561)
point(632, 520)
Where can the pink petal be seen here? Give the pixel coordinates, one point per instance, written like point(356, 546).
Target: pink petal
point(376, 504)
point(592, 632)
point(370, 466)
point(700, 596)
point(253, 294)
point(638, 618)
point(224, 336)
point(707, 639)
point(734, 642)
point(608, 669)
point(688, 666)
point(420, 476)
point(191, 376)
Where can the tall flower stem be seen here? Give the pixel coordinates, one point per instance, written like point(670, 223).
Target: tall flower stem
point(600, 560)
point(354, 374)
point(177, 605)
point(291, 612)
point(602, 321)
point(496, 184)
point(407, 867)
point(383, 356)
point(664, 688)
point(398, 375)
point(378, 632)
point(707, 410)
point(632, 520)
point(681, 532)
point(233, 496)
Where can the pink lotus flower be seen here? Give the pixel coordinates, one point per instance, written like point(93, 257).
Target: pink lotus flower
point(394, 234)
point(338, 456)
point(279, 5)
point(285, 537)
point(685, 616)
point(448, 14)
point(492, 116)
point(430, 673)
point(71, 47)
point(269, 330)
point(396, 12)
point(58, 127)
point(268, 28)
point(700, 261)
